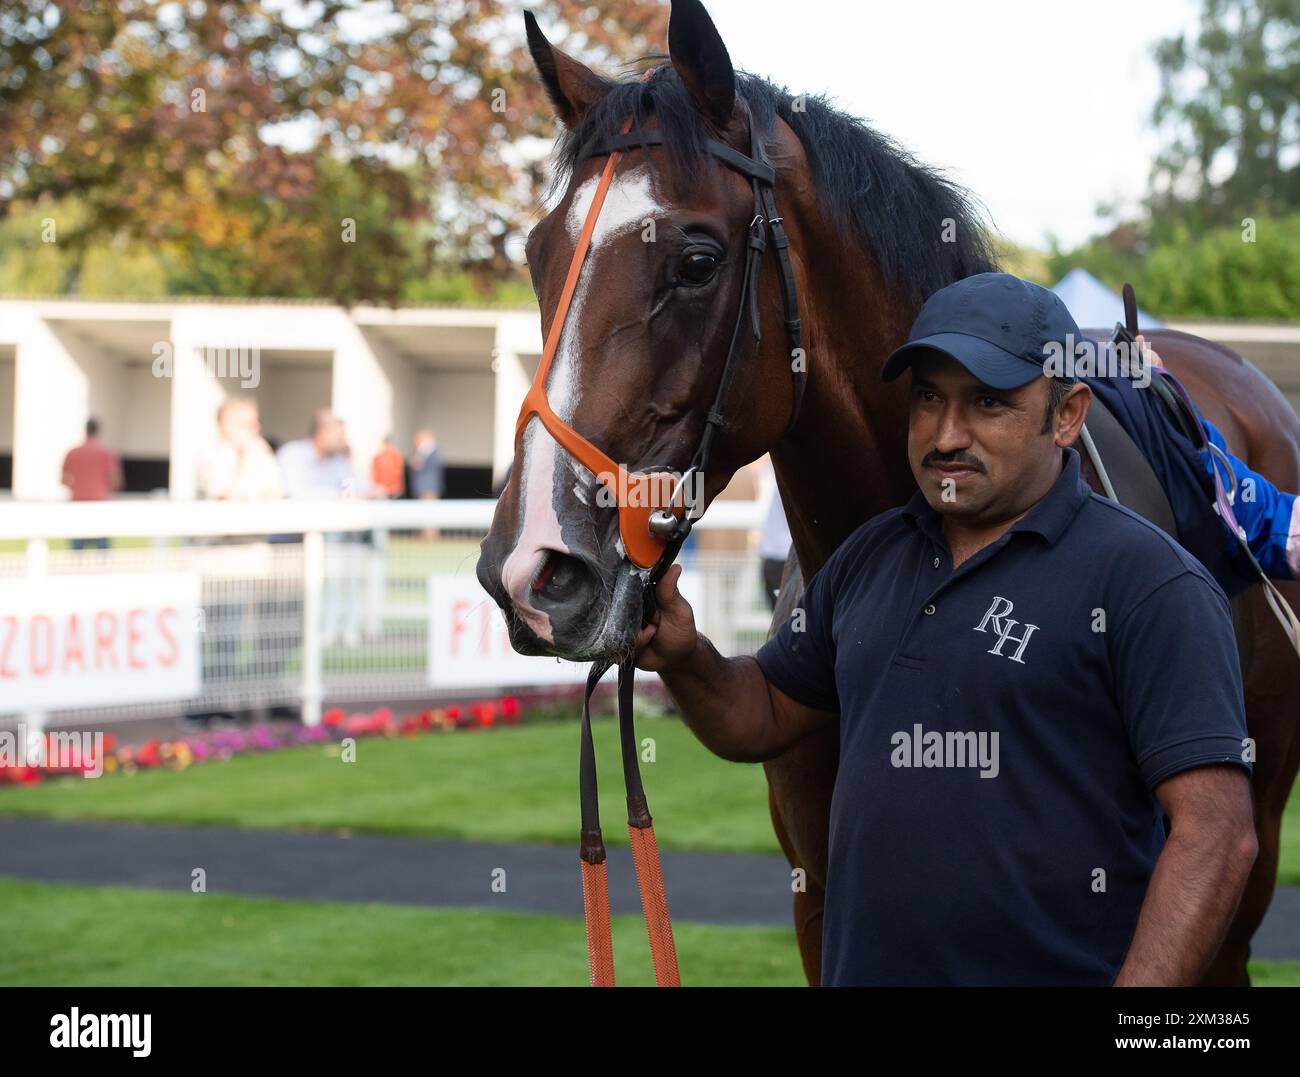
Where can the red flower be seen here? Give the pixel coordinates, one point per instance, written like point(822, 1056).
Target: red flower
point(150, 754)
point(333, 717)
point(484, 713)
point(510, 709)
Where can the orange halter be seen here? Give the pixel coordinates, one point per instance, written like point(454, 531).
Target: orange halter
point(643, 545)
point(652, 527)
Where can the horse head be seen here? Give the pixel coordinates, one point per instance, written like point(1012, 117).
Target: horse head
point(637, 362)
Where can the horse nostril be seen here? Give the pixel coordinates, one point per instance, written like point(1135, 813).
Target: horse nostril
point(559, 577)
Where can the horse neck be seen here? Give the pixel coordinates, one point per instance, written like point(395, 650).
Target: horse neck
point(846, 459)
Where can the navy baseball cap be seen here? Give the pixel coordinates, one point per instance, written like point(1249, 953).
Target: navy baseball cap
point(996, 325)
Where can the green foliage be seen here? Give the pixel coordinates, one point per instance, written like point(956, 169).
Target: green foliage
point(1023, 262)
point(1215, 273)
point(1229, 112)
point(254, 248)
point(456, 286)
point(1230, 108)
point(231, 142)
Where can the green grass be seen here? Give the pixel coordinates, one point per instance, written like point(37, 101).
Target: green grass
point(1275, 973)
point(1289, 853)
point(115, 936)
point(507, 784)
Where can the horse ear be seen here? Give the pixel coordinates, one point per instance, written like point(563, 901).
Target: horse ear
point(701, 61)
point(571, 86)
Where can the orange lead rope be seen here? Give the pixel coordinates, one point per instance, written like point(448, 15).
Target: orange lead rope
point(653, 530)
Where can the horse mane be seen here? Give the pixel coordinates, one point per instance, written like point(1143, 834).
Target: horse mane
point(874, 190)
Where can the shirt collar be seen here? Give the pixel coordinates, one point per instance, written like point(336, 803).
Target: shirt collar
point(1048, 518)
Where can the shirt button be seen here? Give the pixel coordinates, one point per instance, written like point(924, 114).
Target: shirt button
point(929, 610)
point(936, 562)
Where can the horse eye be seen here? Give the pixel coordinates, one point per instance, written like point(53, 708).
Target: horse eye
point(697, 268)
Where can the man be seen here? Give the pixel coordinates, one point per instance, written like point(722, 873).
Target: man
point(242, 466)
point(427, 478)
point(426, 463)
point(1025, 676)
point(240, 583)
point(319, 467)
point(387, 470)
point(92, 472)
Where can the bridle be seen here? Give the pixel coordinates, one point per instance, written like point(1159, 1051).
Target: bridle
point(653, 533)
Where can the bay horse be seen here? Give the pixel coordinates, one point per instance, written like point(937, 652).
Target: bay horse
point(872, 234)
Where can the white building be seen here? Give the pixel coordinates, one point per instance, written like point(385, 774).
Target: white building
point(154, 374)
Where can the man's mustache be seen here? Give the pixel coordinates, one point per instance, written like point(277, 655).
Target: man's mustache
point(959, 459)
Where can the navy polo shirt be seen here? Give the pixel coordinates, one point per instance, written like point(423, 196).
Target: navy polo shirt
point(1002, 730)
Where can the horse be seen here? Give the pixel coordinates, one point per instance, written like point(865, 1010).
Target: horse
point(872, 233)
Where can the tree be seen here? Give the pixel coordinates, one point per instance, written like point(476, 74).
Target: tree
point(1230, 102)
point(199, 125)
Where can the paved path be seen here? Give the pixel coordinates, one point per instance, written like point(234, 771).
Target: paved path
point(711, 888)
point(706, 887)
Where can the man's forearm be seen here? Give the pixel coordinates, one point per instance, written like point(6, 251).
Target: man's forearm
point(1190, 900)
point(725, 701)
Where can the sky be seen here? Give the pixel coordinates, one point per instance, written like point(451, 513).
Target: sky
point(1040, 107)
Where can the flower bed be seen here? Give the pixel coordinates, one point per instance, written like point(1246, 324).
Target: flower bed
point(336, 725)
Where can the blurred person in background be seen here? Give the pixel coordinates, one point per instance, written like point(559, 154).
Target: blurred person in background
point(238, 583)
point(319, 467)
point(388, 470)
point(92, 472)
point(242, 466)
point(427, 478)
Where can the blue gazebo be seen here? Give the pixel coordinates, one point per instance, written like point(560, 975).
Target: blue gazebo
point(1095, 306)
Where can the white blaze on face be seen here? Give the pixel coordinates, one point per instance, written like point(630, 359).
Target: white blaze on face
point(629, 203)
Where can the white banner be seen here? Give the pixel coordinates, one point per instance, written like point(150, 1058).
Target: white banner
point(469, 646)
point(92, 641)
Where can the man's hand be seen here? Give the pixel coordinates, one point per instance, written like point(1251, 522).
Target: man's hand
point(670, 635)
point(727, 702)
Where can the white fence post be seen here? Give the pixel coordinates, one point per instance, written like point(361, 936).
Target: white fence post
point(313, 576)
point(376, 582)
point(38, 564)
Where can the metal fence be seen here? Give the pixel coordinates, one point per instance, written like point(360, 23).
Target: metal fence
point(334, 608)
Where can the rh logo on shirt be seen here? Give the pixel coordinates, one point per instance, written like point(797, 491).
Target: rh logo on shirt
point(999, 616)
